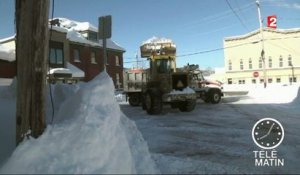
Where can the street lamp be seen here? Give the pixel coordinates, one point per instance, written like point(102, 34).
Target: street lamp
point(262, 44)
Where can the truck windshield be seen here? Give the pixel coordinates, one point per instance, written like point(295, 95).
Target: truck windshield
point(163, 66)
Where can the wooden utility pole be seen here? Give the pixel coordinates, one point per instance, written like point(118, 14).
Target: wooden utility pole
point(31, 55)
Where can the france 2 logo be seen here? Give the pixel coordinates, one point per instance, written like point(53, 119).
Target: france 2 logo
point(272, 21)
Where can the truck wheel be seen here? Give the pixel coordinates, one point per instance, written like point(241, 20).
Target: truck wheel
point(153, 103)
point(215, 97)
point(134, 100)
point(187, 106)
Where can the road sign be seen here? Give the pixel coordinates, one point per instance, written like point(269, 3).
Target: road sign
point(255, 74)
point(104, 27)
point(272, 21)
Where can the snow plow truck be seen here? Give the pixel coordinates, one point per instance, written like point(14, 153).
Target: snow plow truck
point(164, 83)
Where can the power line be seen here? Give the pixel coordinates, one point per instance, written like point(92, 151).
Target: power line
point(238, 17)
point(222, 48)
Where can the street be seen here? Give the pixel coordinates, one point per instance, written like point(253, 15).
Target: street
point(215, 138)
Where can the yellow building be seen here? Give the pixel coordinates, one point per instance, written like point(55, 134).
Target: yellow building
point(243, 63)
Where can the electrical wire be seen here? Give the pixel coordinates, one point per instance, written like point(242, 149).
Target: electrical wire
point(238, 17)
point(49, 51)
point(221, 48)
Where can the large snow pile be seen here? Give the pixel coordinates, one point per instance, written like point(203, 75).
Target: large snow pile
point(272, 94)
point(89, 135)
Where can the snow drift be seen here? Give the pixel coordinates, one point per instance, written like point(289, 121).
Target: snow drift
point(89, 135)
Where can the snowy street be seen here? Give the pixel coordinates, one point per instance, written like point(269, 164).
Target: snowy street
point(217, 138)
point(211, 139)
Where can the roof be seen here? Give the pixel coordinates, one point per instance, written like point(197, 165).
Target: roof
point(283, 31)
point(74, 29)
point(76, 25)
point(3, 40)
point(7, 54)
point(71, 69)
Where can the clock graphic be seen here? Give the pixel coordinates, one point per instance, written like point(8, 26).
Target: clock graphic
point(267, 133)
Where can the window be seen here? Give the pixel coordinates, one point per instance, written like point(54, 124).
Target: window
point(290, 61)
point(117, 60)
point(229, 80)
point(293, 79)
point(229, 65)
point(163, 66)
point(93, 58)
point(262, 81)
point(280, 61)
point(118, 83)
point(253, 81)
point(56, 53)
point(241, 81)
point(260, 63)
point(270, 62)
point(241, 65)
point(270, 80)
point(76, 55)
point(250, 63)
point(278, 80)
point(92, 36)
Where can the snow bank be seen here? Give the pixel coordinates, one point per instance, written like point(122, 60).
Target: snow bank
point(272, 94)
point(89, 135)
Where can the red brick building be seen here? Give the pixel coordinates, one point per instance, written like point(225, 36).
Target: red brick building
point(76, 43)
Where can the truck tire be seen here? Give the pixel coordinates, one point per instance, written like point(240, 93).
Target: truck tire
point(215, 96)
point(134, 99)
point(187, 106)
point(153, 103)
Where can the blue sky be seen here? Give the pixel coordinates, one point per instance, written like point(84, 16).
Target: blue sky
point(194, 25)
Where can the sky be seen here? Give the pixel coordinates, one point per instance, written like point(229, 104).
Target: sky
point(194, 25)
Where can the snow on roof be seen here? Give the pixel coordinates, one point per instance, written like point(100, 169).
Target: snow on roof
point(112, 45)
point(7, 54)
point(156, 40)
point(76, 72)
point(59, 29)
point(292, 30)
point(71, 69)
point(75, 36)
point(60, 71)
point(74, 28)
point(78, 26)
point(7, 39)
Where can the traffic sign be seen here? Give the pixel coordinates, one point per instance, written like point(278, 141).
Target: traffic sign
point(255, 74)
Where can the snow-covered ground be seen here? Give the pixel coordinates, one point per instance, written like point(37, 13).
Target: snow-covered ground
point(217, 138)
point(90, 134)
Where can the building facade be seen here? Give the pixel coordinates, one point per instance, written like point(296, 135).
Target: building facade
point(76, 45)
point(244, 65)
